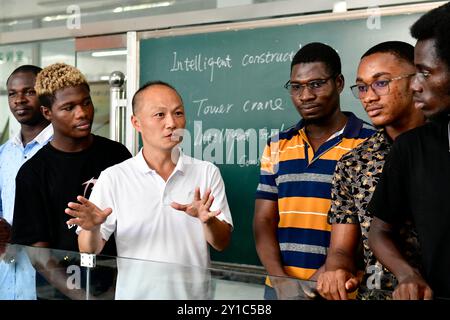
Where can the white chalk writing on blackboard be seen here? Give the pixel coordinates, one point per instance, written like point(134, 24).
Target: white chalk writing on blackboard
point(205, 108)
point(272, 104)
point(200, 63)
point(267, 57)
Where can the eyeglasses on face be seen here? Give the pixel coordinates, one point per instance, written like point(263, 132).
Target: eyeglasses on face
point(379, 87)
point(315, 86)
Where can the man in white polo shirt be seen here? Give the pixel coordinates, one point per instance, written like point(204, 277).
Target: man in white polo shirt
point(142, 201)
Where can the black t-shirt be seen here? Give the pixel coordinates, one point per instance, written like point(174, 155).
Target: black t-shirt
point(51, 179)
point(416, 184)
point(44, 186)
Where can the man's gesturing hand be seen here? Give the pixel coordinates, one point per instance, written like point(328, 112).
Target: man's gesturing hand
point(199, 208)
point(86, 214)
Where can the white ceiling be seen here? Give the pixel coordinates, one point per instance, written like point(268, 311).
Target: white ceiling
point(24, 9)
point(31, 8)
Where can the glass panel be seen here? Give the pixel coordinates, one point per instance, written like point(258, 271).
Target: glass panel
point(97, 66)
point(37, 53)
point(57, 51)
point(60, 276)
point(11, 57)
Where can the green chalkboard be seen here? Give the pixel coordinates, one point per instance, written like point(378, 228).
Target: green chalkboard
point(234, 80)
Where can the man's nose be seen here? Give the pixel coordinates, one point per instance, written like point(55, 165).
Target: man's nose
point(170, 121)
point(19, 98)
point(81, 111)
point(370, 95)
point(415, 84)
point(306, 94)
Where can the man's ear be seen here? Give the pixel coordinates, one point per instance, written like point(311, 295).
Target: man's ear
point(340, 83)
point(136, 123)
point(47, 113)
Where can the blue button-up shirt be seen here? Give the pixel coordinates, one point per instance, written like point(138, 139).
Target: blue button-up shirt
point(17, 276)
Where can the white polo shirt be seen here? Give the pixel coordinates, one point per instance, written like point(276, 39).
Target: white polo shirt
point(147, 227)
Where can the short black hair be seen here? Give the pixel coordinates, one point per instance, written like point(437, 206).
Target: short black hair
point(319, 52)
point(147, 85)
point(26, 68)
point(435, 24)
point(400, 49)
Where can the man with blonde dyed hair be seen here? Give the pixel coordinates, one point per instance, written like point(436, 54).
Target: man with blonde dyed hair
point(67, 166)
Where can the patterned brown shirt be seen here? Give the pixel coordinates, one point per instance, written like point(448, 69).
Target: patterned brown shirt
point(354, 181)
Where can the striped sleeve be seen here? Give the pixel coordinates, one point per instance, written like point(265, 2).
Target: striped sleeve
point(267, 187)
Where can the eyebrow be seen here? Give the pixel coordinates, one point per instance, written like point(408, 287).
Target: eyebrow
point(162, 108)
point(73, 102)
point(165, 107)
point(23, 89)
point(64, 105)
point(375, 76)
point(421, 66)
point(304, 81)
